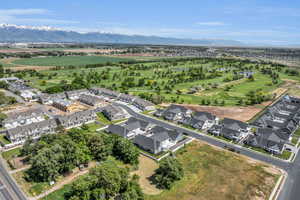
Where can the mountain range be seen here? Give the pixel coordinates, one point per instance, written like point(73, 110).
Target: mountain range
point(17, 34)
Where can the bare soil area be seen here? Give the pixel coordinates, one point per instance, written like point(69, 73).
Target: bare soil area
point(145, 171)
point(239, 113)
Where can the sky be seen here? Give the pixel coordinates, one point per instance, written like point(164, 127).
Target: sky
point(275, 22)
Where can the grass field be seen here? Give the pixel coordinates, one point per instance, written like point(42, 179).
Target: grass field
point(58, 194)
point(68, 60)
point(7, 155)
point(212, 89)
point(212, 174)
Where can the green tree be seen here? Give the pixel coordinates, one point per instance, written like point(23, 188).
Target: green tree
point(169, 171)
point(126, 151)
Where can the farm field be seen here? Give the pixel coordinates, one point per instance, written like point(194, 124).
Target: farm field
point(215, 174)
point(67, 60)
point(184, 82)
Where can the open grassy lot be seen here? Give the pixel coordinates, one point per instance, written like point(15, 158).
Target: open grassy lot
point(68, 60)
point(216, 174)
point(30, 188)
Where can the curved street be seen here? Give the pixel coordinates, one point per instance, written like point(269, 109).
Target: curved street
point(290, 189)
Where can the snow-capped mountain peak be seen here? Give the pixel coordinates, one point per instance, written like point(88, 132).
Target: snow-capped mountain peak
point(40, 28)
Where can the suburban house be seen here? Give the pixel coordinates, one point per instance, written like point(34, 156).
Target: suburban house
point(114, 113)
point(143, 104)
point(175, 112)
point(199, 120)
point(234, 129)
point(20, 88)
point(120, 131)
point(208, 119)
point(75, 94)
point(131, 128)
point(106, 93)
point(91, 100)
point(283, 116)
point(77, 119)
point(64, 105)
point(19, 134)
point(23, 118)
point(48, 99)
point(268, 139)
point(158, 139)
point(231, 129)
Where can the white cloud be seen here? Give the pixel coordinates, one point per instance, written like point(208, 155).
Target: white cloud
point(211, 23)
point(13, 12)
point(16, 16)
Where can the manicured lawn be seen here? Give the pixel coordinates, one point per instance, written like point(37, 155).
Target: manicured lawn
point(68, 60)
point(7, 155)
point(103, 119)
point(297, 132)
point(4, 140)
point(212, 174)
point(285, 155)
point(58, 194)
point(295, 140)
point(93, 126)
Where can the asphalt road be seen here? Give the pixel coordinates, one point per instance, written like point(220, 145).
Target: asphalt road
point(9, 190)
point(291, 188)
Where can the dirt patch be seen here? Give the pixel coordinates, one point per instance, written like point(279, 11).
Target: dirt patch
point(145, 171)
point(239, 113)
point(92, 50)
point(19, 162)
point(28, 67)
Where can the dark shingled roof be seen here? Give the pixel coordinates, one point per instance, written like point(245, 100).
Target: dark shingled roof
point(204, 116)
point(118, 130)
point(234, 124)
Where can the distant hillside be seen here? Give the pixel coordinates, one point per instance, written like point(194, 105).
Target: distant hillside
point(13, 33)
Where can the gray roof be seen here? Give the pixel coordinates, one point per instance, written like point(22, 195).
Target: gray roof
point(142, 102)
point(77, 116)
point(62, 102)
point(89, 99)
point(267, 138)
point(19, 131)
point(118, 130)
point(234, 124)
point(105, 92)
point(230, 133)
point(111, 109)
point(176, 109)
point(77, 92)
point(146, 143)
point(134, 123)
point(35, 112)
point(203, 116)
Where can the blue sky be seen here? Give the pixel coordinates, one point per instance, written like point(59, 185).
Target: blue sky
point(250, 21)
